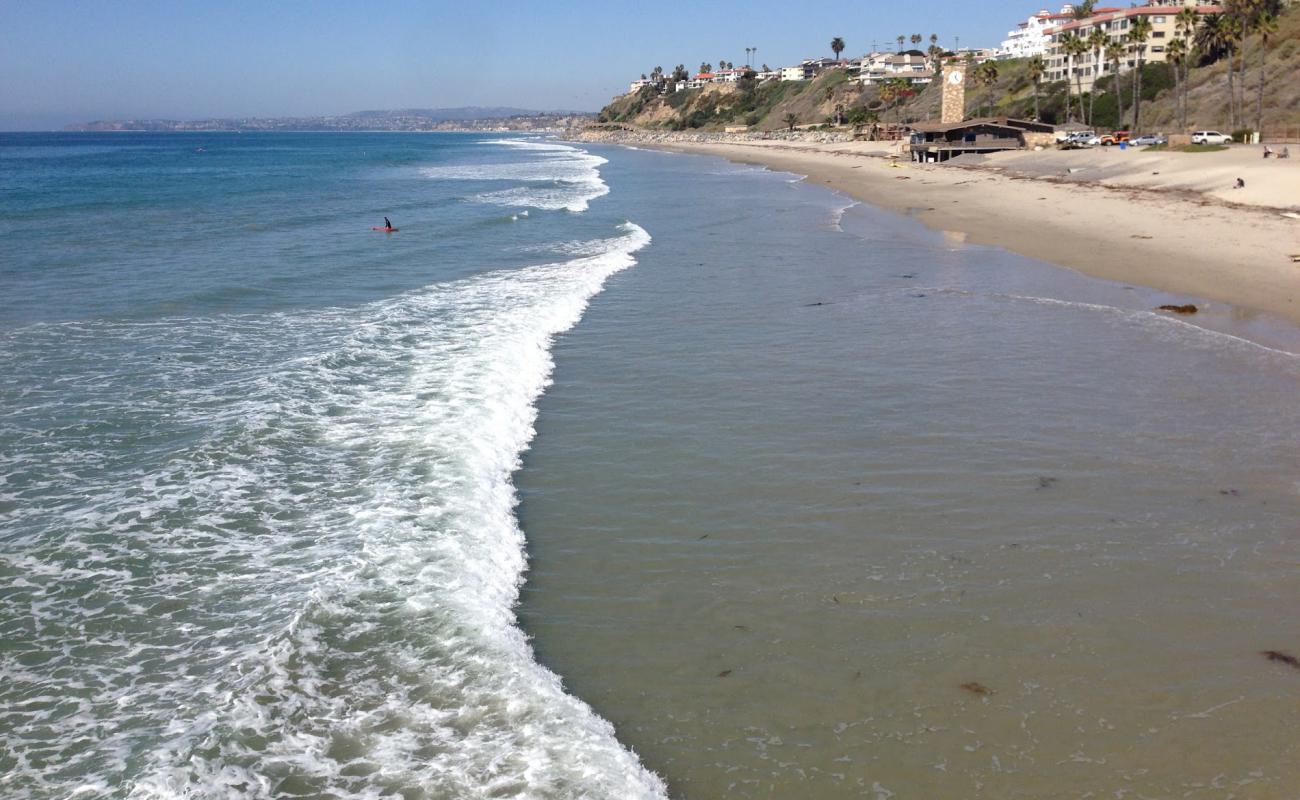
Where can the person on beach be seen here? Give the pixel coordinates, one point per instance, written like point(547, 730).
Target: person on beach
point(1240, 184)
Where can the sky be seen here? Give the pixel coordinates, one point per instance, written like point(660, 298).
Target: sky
point(64, 61)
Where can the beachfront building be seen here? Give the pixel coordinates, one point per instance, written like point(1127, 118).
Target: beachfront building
point(1029, 39)
point(1088, 68)
point(936, 142)
point(639, 84)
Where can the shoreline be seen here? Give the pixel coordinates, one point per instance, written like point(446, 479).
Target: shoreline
point(1110, 222)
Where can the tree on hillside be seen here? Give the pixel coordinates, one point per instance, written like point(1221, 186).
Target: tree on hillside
point(1114, 53)
point(1243, 13)
point(680, 74)
point(1266, 27)
point(1176, 54)
point(837, 47)
point(936, 57)
point(1138, 33)
point(916, 40)
point(901, 39)
point(1036, 68)
point(1216, 39)
point(1083, 10)
point(1071, 45)
point(934, 40)
point(1097, 41)
point(704, 67)
point(1185, 28)
point(986, 75)
point(790, 119)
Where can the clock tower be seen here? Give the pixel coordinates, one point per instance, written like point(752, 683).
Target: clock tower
point(953, 108)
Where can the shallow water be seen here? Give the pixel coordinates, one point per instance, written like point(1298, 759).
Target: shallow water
point(824, 504)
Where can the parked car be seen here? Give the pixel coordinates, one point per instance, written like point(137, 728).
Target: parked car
point(1075, 137)
point(1149, 139)
point(1108, 139)
point(1210, 137)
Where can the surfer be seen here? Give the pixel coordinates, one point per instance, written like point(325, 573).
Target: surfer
point(388, 226)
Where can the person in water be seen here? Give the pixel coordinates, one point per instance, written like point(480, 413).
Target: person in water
point(387, 225)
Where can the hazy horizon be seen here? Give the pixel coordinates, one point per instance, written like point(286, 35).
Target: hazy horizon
point(74, 63)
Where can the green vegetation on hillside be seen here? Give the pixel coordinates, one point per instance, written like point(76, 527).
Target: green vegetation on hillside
point(1216, 78)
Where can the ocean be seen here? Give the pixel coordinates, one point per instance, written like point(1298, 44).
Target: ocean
point(612, 474)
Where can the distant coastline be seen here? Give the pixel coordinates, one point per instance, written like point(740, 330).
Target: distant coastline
point(431, 119)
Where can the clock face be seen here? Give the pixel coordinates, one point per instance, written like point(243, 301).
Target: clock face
point(954, 78)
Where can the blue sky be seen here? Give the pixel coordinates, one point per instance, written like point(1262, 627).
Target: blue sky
point(64, 61)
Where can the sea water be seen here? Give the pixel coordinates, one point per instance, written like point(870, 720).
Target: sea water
point(256, 504)
point(803, 500)
point(824, 504)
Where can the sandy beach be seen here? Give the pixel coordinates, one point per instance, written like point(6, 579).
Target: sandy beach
point(1170, 221)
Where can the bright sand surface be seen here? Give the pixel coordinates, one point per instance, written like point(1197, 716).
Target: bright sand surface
point(1168, 220)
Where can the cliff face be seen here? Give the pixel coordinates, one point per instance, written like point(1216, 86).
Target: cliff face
point(763, 107)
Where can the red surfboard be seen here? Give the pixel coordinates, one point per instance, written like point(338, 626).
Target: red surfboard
point(385, 230)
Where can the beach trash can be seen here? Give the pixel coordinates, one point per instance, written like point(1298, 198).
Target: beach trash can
point(1123, 145)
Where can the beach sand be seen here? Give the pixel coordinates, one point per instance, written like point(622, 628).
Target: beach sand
point(1170, 221)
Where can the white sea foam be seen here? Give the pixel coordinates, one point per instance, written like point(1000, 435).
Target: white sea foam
point(555, 176)
point(308, 589)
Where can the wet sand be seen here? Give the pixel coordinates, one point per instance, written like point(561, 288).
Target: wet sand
point(1108, 218)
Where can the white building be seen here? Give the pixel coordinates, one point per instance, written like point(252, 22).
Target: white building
point(1029, 39)
point(913, 65)
point(794, 73)
point(636, 85)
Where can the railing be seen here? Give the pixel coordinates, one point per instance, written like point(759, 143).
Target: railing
point(1280, 134)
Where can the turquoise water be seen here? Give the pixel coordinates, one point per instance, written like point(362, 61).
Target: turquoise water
point(765, 475)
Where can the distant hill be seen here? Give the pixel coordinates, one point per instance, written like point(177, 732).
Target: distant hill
point(408, 119)
point(459, 114)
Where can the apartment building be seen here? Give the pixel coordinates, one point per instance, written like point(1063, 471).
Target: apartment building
point(1115, 22)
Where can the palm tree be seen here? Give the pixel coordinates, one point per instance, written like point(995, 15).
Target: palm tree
point(888, 93)
point(1266, 26)
point(1097, 41)
point(790, 119)
point(1115, 52)
point(1074, 47)
point(986, 75)
point(936, 55)
point(1243, 13)
point(1185, 27)
point(1083, 10)
point(839, 113)
point(916, 40)
point(934, 40)
point(837, 47)
point(1138, 33)
point(1176, 52)
point(1037, 68)
point(747, 56)
point(901, 39)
